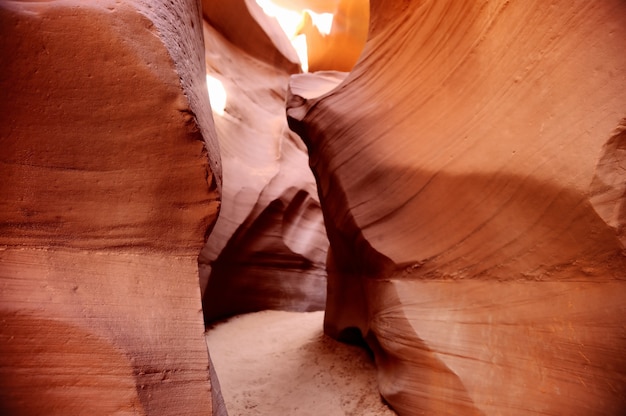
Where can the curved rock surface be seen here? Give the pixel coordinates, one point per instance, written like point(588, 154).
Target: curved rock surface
point(268, 247)
point(471, 174)
point(107, 193)
point(340, 49)
point(243, 23)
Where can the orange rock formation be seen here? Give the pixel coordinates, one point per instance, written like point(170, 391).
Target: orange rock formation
point(340, 49)
point(471, 173)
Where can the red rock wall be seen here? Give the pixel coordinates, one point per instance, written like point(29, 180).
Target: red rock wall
point(107, 193)
point(471, 175)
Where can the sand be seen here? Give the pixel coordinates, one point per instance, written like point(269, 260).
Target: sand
point(281, 363)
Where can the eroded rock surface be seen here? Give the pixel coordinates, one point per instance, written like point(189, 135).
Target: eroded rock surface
point(107, 193)
point(268, 247)
point(471, 175)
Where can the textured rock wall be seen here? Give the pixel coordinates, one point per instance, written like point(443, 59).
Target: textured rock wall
point(268, 247)
point(107, 193)
point(471, 174)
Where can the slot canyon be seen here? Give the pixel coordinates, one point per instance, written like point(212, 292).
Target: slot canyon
point(411, 207)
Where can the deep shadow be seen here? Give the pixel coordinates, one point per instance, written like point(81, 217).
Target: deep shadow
point(257, 270)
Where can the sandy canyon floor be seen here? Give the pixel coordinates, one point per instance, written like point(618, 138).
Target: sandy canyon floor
point(281, 363)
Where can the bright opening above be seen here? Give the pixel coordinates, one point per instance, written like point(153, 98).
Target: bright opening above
point(323, 40)
point(217, 94)
point(292, 21)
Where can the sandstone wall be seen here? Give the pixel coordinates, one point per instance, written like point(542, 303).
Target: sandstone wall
point(107, 193)
point(243, 23)
point(471, 174)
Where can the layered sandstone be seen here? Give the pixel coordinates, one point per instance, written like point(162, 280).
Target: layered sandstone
point(107, 193)
point(268, 247)
point(471, 174)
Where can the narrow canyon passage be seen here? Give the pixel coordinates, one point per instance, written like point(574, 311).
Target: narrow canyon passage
point(475, 227)
point(267, 251)
point(447, 184)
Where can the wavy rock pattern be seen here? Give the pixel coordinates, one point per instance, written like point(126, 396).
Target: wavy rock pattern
point(107, 193)
point(268, 247)
point(471, 175)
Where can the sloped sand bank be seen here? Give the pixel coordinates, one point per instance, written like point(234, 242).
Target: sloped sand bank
point(281, 363)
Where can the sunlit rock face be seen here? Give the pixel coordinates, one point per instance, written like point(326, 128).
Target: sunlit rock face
point(471, 174)
point(340, 48)
point(107, 193)
point(268, 247)
point(327, 34)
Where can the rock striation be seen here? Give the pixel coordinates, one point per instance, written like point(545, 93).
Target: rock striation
point(268, 247)
point(111, 179)
point(471, 174)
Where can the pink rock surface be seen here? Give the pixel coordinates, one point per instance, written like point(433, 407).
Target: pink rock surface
point(244, 24)
point(107, 193)
point(268, 247)
point(471, 174)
